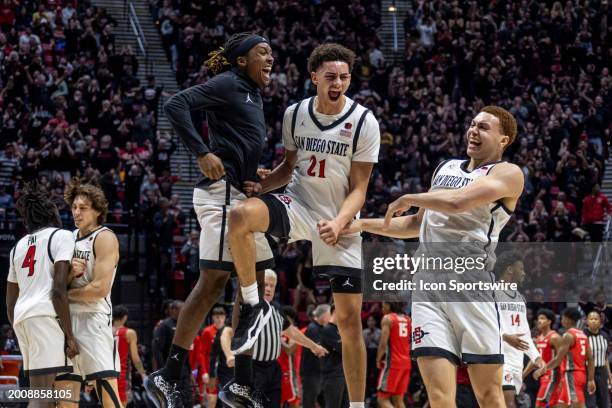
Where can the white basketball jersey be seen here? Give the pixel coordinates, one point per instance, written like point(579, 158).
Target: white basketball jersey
point(31, 267)
point(478, 225)
point(513, 316)
point(84, 249)
point(326, 146)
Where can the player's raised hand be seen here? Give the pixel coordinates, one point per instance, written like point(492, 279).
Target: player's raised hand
point(396, 208)
point(251, 188)
point(515, 341)
point(211, 166)
point(329, 231)
point(72, 347)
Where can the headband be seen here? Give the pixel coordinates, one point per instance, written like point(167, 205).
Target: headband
point(245, 46)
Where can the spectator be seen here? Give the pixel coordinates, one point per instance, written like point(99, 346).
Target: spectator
point(596, 209)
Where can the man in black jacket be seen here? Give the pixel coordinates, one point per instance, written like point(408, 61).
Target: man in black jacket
point(332, 373)
point(310, 365)
point(237, 133)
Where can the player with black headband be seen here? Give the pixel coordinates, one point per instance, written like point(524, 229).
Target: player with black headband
point(237, 131)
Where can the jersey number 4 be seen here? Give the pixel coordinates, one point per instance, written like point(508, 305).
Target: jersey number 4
point(311, 169)
point(29, 260)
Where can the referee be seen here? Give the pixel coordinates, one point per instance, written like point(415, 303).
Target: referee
point(267, 376)
point(598, 343)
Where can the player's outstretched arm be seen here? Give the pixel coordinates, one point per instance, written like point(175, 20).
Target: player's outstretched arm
point(106, 248)
point(505, 181)
point(296, 335)
point(405, 227)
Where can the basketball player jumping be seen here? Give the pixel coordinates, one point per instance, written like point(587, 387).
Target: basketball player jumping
point(94, 264)
point(331, 145)
point(36, 297)
point(237, 131)
point(470, 201)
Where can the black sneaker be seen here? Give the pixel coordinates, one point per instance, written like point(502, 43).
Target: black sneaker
point(252, 320)
point(235, 395)
point(163, 392)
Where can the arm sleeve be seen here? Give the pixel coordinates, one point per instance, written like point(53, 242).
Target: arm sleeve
point(61, 246)
point(209, 96)
point(368, 144)
point(12, 272)
point(288, 140)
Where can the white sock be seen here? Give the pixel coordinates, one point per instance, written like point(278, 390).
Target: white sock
point(357, 404)
point(250, 294)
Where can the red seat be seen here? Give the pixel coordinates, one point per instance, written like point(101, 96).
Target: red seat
point(11, 366)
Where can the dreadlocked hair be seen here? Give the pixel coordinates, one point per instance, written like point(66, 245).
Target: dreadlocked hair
point(36, 208)
point(217, 60)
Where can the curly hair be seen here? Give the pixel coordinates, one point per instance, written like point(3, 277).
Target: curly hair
point(36, 208)
point(330, 52)
point(93, 192)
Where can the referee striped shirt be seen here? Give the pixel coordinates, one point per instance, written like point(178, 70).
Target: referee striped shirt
point(268, 344)
point(598, 343)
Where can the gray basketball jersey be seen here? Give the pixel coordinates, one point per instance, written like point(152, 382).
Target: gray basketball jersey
point(84, 249)
point(477, 225)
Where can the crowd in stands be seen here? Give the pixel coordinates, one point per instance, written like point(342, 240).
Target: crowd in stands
point(543, 61)
point(71, 105)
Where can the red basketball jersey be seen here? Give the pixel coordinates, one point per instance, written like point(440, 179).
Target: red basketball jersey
point(577, 356)
point(547, 352)
point(398, 347)
point(123, 347)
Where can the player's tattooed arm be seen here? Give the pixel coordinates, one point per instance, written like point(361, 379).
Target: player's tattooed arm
point(106, 248)
point(505, 181)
